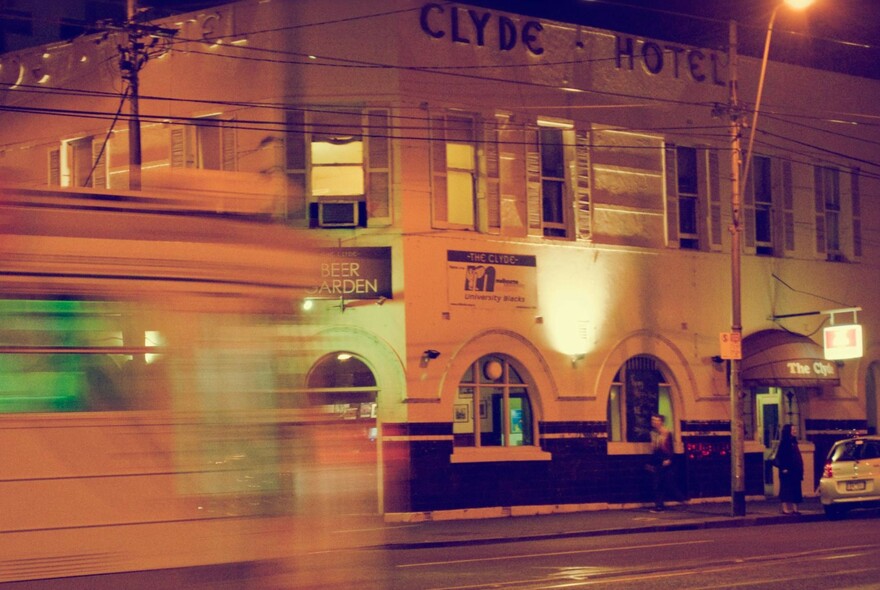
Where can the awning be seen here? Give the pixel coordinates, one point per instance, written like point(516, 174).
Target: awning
point(776, 358)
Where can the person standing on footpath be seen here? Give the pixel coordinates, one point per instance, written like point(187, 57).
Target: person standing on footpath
point(791, 470)
point(661, 461)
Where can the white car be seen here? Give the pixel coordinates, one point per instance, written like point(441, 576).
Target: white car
point(851, 477)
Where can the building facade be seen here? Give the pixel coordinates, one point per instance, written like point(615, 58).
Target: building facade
point(524, 229)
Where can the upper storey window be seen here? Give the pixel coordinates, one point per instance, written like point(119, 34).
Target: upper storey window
point(207, 143)
point(338, 166)
point(828, 211)
point(688, 198)
point(454, 170)
point(693, 198)
point(337, 153)
point(554, 187)
point(79, 162)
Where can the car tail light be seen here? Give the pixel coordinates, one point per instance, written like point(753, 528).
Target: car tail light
point(828, 471)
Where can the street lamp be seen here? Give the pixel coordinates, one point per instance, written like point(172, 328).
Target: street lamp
point(737, 181)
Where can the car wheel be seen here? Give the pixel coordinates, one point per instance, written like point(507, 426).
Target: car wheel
point(834, 511)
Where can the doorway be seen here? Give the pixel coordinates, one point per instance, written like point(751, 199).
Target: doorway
point(774, 406)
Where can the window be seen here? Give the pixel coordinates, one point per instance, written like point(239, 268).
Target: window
point(639, 391)
point(763, 203)
point(337, 155)
point(454, 170)
point(78, 163)
point(553, 184)
point(206, 144)
point(688, 198)
point(827, 187)
point(338, 160)
point(492, 407)
point(339, 383)
point(461, 169)
point(209, 146)
point(693, 198)
point(66, 355)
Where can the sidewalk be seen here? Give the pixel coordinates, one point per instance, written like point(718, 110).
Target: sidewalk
point(690, 516)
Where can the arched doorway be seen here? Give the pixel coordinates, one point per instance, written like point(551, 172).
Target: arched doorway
point(773, 407)
point(333, 439)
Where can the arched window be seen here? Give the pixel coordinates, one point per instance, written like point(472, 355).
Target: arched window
point(492, 406)
point(343, 383)
point(640, 389)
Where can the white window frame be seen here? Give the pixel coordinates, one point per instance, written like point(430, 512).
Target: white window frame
point(560, 177)
point(475, 393)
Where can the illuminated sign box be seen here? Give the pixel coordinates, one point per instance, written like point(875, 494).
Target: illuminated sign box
point(843, 342)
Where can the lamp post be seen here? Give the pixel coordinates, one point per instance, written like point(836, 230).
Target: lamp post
point(738, 176)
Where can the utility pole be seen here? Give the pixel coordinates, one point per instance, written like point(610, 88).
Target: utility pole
point(737, 453)
point(133, 57)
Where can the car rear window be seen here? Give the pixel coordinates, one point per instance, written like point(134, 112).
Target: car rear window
point(845, 451)
point(855, 450)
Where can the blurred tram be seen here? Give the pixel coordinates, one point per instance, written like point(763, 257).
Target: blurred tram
point(138, 421)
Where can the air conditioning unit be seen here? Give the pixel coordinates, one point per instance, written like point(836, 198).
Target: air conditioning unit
point(338, 213)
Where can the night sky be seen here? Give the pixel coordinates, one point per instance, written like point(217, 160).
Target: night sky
point(819, 37)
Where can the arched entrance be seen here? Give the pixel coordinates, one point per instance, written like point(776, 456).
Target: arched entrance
point(782, 370)
point(333, 438)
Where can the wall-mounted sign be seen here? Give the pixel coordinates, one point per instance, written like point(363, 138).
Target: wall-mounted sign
point(843, 342)
point(354, 273)
point(470, 26)
point(731, 345)
point(492, 280)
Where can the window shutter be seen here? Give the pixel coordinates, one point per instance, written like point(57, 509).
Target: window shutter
point(227, 133)
point(583, 209)
point(99, 157)
point(856, 197)
point(533, 181)
point(439, 194)
point(787, 192)
point(715, 223)
point(703, 190)
point(671, 196)
point(821, 244)
point(489, 191)
point(514, 206)
point(378, 164)
point(55, 167)
point(295, 154)
point(748, 212)
point(181, 156)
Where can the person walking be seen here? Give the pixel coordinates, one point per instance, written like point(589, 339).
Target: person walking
point(791, 470)
point(661, 460)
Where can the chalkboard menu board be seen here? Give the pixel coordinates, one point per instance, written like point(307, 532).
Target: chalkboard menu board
point(642, 401)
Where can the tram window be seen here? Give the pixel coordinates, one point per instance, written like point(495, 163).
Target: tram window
point(68, 355)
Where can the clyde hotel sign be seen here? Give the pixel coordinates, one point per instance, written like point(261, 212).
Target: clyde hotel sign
point(499, 33)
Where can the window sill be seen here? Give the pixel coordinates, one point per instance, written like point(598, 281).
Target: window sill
point(498, 454)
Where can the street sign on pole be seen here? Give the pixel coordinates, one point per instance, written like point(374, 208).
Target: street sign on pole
point(731, 345)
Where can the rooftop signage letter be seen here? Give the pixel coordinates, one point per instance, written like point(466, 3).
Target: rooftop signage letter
point(473, 28)
point(656, 58)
